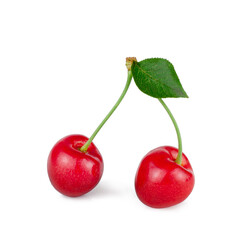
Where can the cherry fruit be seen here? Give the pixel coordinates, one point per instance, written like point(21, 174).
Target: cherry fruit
point(160, 182)
point(164, 177)
point(71, 171)
point(75, 165)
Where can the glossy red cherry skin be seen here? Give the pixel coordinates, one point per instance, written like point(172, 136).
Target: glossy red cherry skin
point(72, 172)
point(160, 182)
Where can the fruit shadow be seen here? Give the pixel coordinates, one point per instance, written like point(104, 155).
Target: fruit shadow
point(102, 190)
point(176, 207)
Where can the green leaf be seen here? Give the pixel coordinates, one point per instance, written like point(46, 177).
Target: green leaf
point(157, 78)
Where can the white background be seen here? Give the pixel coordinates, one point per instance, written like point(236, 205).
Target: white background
point(62, 67)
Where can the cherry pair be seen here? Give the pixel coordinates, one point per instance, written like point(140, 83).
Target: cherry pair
point(164, 177)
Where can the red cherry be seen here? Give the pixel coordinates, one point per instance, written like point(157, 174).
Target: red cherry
point(160, 182)
point(72, 172)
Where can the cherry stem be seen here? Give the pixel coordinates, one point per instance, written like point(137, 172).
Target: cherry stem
point(179, 156)
point(84, 148)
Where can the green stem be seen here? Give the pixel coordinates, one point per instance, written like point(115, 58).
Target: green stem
point(179, 156)
point(84, 148)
